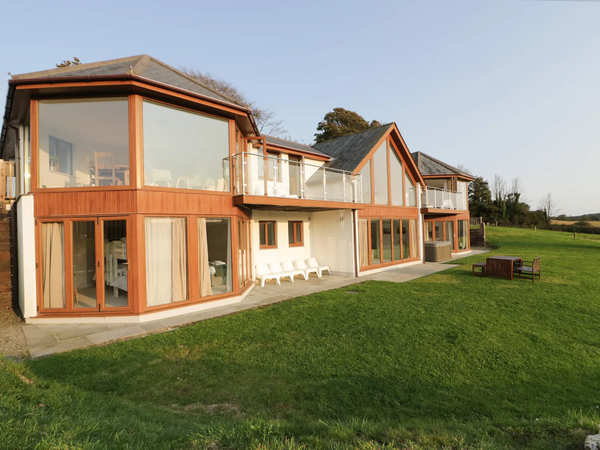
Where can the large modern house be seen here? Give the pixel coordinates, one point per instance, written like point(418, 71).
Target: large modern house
point(142, 193)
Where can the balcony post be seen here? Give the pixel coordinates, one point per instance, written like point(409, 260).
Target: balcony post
point(243, 169)
point(302, 178)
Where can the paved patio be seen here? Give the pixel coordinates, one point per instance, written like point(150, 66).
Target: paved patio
point(43, 340)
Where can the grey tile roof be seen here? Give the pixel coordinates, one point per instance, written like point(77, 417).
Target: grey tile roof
point(429, 165)
point(348, 151)
point(293, 145)
point(141, 65)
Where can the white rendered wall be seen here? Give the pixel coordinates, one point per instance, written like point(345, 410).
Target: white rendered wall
point(332, 240)
point(283, 252)
point(26, 255)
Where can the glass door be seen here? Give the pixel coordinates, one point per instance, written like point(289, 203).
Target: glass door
point(85, 292)
point(115, 276)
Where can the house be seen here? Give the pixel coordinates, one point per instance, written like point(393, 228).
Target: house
point(142, 194)
point(445, 203)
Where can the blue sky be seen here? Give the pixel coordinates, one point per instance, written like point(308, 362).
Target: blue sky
point(506, 87)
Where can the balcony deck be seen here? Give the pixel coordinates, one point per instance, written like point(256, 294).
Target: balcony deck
point(271, 181)
point(442, 202)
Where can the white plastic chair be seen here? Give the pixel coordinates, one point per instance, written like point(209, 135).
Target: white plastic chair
point(314, 264)
point(289, 267)
point(276, 269)
point(300, 264)
point(263, 274)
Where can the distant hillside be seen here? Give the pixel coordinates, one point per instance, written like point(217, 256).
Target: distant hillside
point(582, 218)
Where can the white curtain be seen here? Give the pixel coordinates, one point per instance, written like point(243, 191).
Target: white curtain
point(203, 265)
point(166, 260)
point(53, 265)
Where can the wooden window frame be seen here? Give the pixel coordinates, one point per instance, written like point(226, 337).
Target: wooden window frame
point(295, 242)
point(265, 224)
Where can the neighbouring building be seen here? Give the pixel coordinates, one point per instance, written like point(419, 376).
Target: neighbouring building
point(142, 193)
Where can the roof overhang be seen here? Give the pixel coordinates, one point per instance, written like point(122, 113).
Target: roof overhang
point(20, 91)
point(295, 151)
point(445, 176)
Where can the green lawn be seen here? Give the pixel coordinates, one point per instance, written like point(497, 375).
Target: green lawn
point(447, 361)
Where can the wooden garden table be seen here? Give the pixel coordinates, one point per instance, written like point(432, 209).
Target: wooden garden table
point(502, 266)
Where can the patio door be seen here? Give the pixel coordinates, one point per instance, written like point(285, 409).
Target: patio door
point(294, 164)
point(83, 265)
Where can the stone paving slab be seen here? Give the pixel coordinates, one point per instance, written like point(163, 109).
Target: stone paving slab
point(43, 340)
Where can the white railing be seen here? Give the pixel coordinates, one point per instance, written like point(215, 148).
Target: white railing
point(442, 199)
point(256, 174)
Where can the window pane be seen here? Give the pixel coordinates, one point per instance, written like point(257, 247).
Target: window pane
point(185, 150)
point(84, 265)
point(405, 240)
point(450, 232)
point(411, 191)
point(261, 230)
point(429, 229)
point(271, 234)
point(439, 228)
point(462, 234)
point(414, 249)
point(299, 232)
point(166, 260)
point(396, 178)
point(365, 176)
point(380, 170)
point(387, 241)
point(116, 263)
point(363, 242)
point(53, 265)
point(397, 239)
point(375, 248)
point(291, 233)
point(214, 241)
point(83, 143)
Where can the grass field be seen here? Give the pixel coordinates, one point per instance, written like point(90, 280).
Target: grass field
point(592, 223)
point(447, 361)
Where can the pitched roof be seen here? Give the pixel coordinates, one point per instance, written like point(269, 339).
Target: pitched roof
point(428, 165)
point(293, 145)
point(143, 66)
point(348, 151)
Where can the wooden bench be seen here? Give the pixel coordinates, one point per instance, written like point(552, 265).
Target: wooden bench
point(531, 269)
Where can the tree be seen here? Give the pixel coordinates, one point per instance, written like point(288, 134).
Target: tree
point(341, 122)
point(480, 198)
point(265, 119)
point(548, 207)
point(69, 62)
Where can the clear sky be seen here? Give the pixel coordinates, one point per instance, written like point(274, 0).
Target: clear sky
point(506, 87)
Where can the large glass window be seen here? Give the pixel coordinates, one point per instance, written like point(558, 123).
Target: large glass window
point(214, 241)
point(396, 178)
point(83, 143)
point(116, 263)
point(375, 244)
point(166, 260)
point(414, 248)
point(406, 250)
point(411, 191)
point(429, 231)
point(450, 233)
point(184, 149)
point(462, 235)
point(84, 264)
point(439, 231)
point(397, 231)
point(363, 242)
point(53, 265)
point(380, 170)
point(365, 176)
point(386, 240)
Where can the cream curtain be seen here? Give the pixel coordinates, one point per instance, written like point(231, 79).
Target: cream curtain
point(166, 260)
point(179, 260)
point(53, 265)
point(363, 242)
point(203, 266)
point(414, 252)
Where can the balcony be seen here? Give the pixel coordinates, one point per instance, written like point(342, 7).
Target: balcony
point(434, 198)
point(260, 179)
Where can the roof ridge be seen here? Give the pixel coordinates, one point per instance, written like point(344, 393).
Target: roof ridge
point(354, 134)
point(71, 68)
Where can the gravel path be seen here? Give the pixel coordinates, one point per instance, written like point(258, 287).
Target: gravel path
point(12, 339)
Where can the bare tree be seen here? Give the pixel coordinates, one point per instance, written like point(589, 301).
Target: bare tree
point(515, 187)
point(498, 188)
point(265, 119)
point(548, 207)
